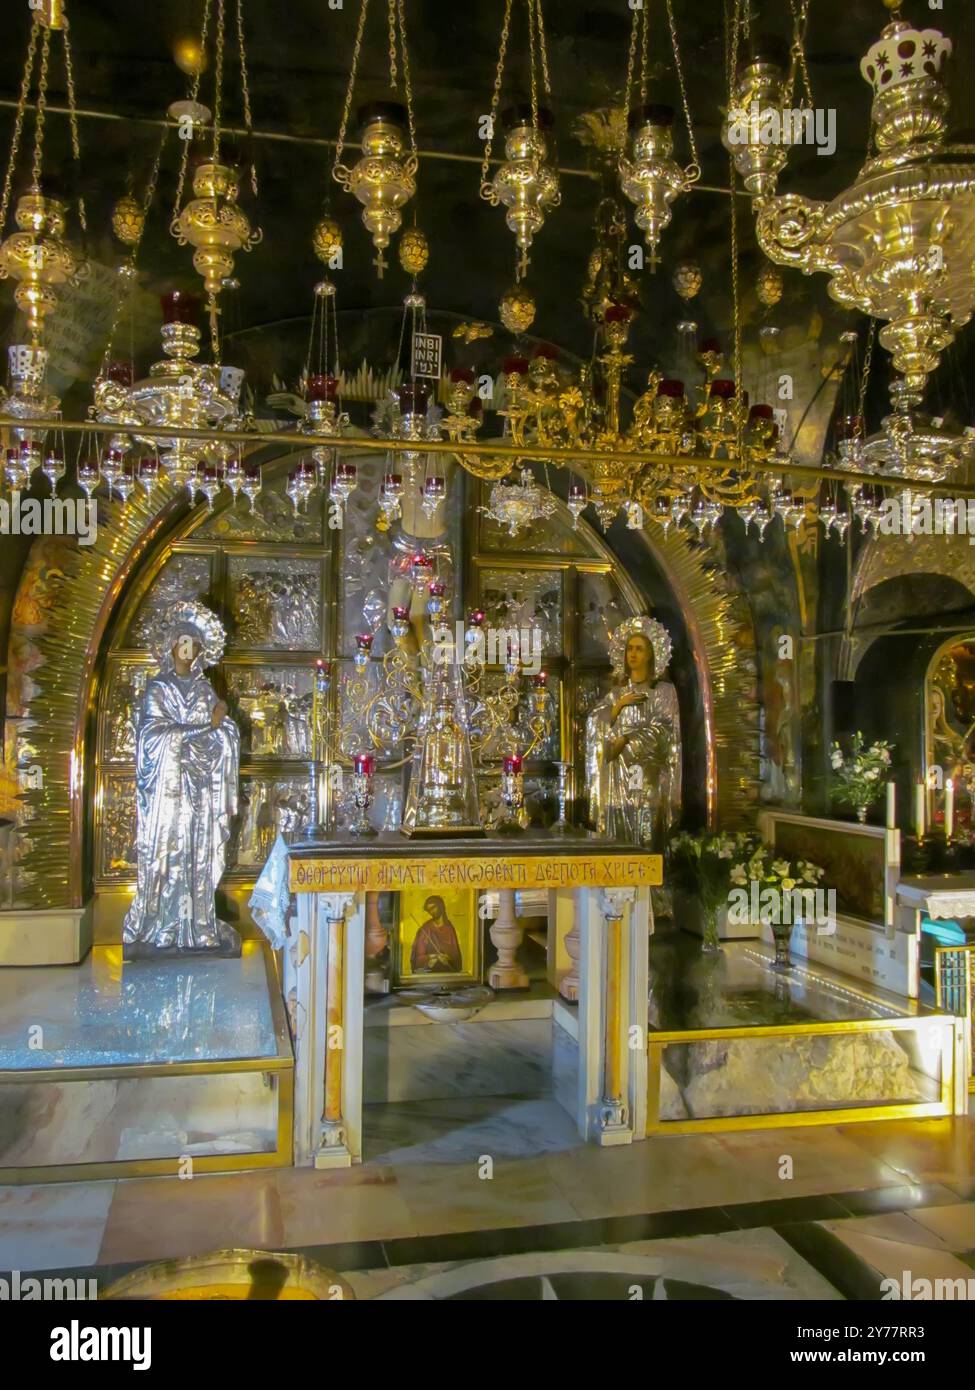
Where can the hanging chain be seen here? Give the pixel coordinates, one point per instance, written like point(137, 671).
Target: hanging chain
point(630, 69)
point(73, 115)
point(693, 171)
point(486, 190)
point(736, 309)
point(393, 77)
point(732, 45)
point(245, 89)
point(644, 52)
point(543, 50)
point(19, 121)
point(127, 269)
point(218, 82)
point(194, 99)
point(533, 62)
point(800, 21)
point(41, 111)
point(407, 84)
point(864, 379)
point(337, 169)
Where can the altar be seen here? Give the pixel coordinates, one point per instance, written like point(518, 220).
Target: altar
point(600, 919)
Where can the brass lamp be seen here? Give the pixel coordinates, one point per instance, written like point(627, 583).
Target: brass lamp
point(651, 178)
point(900, 243)
point(754, 131)
point(384, 179)
point(525, 183)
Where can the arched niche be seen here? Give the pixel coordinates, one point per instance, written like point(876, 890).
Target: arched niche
point(94, 657)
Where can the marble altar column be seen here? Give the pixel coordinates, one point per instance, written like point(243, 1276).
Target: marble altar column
point(613, 1118)
point(614, 927)
point(323, 988)
point(506, 936)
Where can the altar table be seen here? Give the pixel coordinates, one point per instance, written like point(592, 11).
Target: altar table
point(310, 902)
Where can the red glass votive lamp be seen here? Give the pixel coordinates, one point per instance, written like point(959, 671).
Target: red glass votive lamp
point(180, 307)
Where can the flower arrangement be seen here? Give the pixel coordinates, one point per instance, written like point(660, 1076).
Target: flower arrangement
point(702, 866)
point(710, 867)
point(860, 774)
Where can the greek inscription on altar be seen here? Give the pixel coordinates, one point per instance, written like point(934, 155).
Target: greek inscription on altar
point(556, 871)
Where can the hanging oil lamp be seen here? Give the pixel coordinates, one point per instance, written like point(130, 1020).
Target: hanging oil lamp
point(526, 181)
point(650, 176)
point(383, 180)
point(212, 222)
point(37, 255)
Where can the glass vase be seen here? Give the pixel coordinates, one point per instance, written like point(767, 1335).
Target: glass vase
point(782, 935)
point(712, 942)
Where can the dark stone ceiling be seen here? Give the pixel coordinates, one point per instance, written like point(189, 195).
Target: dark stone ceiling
point(299, 53)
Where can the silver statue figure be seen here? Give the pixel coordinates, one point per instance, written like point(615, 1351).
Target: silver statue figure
point(633, 743)
point(187, 761)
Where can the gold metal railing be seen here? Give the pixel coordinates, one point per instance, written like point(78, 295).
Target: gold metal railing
point(953, 973)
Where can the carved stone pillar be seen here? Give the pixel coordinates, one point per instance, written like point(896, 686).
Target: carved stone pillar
point(613, 1122)
point(506, 936)
point(333, 1150)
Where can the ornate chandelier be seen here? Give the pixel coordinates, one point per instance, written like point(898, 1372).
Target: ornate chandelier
point(899, 244)
point(180, 392)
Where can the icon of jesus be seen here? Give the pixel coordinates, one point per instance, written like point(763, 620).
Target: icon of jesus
point(436, 949)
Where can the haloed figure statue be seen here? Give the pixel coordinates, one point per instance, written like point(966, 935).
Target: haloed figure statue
point(633, 743)
point(187, 760)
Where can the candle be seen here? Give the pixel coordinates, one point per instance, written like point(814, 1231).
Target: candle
point(891, 805)
point(919, 816)
point(949, 808)
point(540, 680)
point(512, 764)
point(364, 764)
point(563, 731)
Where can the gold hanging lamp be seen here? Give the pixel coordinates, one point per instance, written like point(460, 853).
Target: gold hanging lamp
point(384, 178)
point(37, 255)
point(526, 182)
point(650, 176)
point(211, 221)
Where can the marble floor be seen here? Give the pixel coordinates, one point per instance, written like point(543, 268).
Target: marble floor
point(818, 1213)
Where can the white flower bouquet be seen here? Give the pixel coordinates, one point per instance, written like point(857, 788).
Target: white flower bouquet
point(860, 773)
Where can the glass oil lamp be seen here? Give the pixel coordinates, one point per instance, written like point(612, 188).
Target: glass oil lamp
point(363, 649)
point(250, 484)
point(363, 772)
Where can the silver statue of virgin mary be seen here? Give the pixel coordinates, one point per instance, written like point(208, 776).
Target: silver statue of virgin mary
point(187, 761)
point(633, 743)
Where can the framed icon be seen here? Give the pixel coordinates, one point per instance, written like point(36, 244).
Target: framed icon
point(438, 937)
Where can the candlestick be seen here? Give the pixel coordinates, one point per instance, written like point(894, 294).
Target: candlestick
point(919, 810)
point(891, 806)
point(949, 808)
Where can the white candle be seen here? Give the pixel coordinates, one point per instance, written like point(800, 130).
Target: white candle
point(919, 793)
point(891, 805)
point(949, 808)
